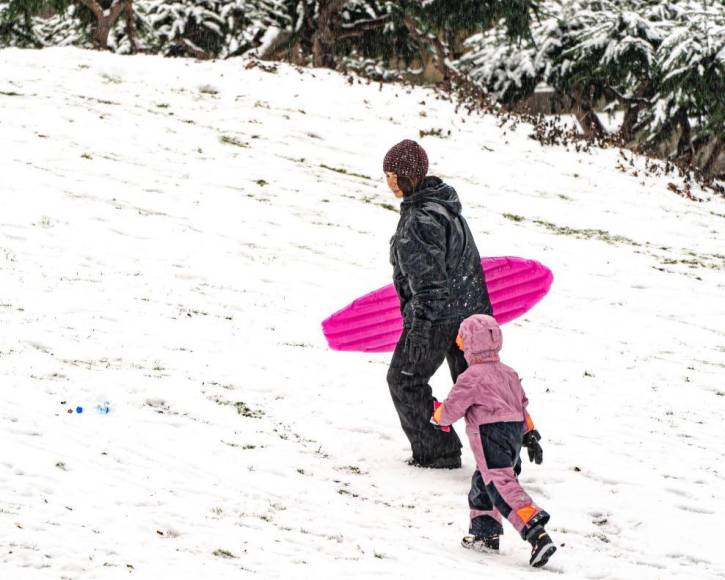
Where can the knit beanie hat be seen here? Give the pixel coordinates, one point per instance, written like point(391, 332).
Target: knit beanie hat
point(407, 159)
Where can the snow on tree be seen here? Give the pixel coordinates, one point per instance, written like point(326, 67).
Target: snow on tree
point(247, 24)
point(611, 60)
point(187, 27)
point(212, 28)
point(661, 63)
point(509, 71)
point(42, 22)
point(20, 25)
point(691, 77)
point(67, 28)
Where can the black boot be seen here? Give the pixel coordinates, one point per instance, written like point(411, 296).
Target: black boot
point(542, 547)
point(452, 461)
point(481, 543)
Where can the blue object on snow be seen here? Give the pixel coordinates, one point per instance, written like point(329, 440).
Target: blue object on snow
point(79, 409)
point(104, 408)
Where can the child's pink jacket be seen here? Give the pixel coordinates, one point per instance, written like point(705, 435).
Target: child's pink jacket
point(488, 391)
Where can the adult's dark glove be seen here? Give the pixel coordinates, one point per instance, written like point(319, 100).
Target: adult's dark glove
point(418, 341)
point(531, 442)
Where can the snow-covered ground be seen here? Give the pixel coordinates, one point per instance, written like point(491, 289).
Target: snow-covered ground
point(171, 235)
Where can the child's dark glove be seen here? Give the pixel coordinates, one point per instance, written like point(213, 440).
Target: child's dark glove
point(435, 419)
point(417, 342)
point(531, 442)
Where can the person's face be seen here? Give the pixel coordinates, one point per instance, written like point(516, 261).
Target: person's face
point(393, 184)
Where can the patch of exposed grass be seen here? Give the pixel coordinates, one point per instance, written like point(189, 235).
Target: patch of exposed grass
point(583, 234)
point(434, 133)
point(245, 411)
point(208, 90)
point(221, 553)
point(353, 469)
point(371, 200)
point(229, 140)
point(111, 78)
point(345, 172)
point(696, 262)
point(514, 217)
point(587, 233)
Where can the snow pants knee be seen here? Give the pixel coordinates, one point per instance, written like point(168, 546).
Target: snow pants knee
point(413, 396)
point(495, 489)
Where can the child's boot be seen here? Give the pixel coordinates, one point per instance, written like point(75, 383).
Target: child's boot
point(542, 547)
point(485, 529)
point(481, 543)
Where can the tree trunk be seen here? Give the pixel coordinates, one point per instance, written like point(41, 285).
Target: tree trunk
point(684, 143)
point(586, 116)
point(103, 29)
point(105, 19)
point(629, 128)
point(439, 60)
point(131, 27)
point(325, 36)
point(630, 119)
point(709, 169)
point(274, 46)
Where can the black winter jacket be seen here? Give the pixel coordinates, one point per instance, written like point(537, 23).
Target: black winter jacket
point(436, 265)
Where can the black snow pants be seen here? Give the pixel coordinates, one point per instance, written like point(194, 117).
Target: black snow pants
point(413, 396)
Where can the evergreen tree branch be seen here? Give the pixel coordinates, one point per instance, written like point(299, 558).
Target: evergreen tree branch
point(194, 51)
point(359, 27)
point(441, 50)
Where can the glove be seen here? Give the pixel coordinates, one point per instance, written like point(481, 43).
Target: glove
point(417, 343)
point(434, 420)
point(531, 442)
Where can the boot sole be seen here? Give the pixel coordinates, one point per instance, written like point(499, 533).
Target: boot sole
point(543, 557)
point(479, 547)
point(436, 465)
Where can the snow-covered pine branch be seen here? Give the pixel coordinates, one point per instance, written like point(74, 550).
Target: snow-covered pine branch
point(661, 63)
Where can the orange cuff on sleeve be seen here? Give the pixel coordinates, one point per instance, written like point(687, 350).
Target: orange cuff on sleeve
point(526, 513)
point(529, 423)
point(437, 413)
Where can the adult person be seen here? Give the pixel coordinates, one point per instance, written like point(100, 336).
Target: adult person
point(439, 281)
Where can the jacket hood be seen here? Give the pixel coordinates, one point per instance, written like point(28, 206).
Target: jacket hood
point(482, 339)
point(432, 189)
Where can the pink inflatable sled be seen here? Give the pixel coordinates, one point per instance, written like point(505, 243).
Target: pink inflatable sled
point(373, 323)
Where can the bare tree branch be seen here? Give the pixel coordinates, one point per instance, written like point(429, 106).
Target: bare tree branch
point(192, 50)
point(105, 21)
point(94, 6)
point(371, 24)
point(115, 11)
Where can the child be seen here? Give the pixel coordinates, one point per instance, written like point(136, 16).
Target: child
point(490, 396)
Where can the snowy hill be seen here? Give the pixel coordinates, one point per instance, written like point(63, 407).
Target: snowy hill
point(171, 235)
